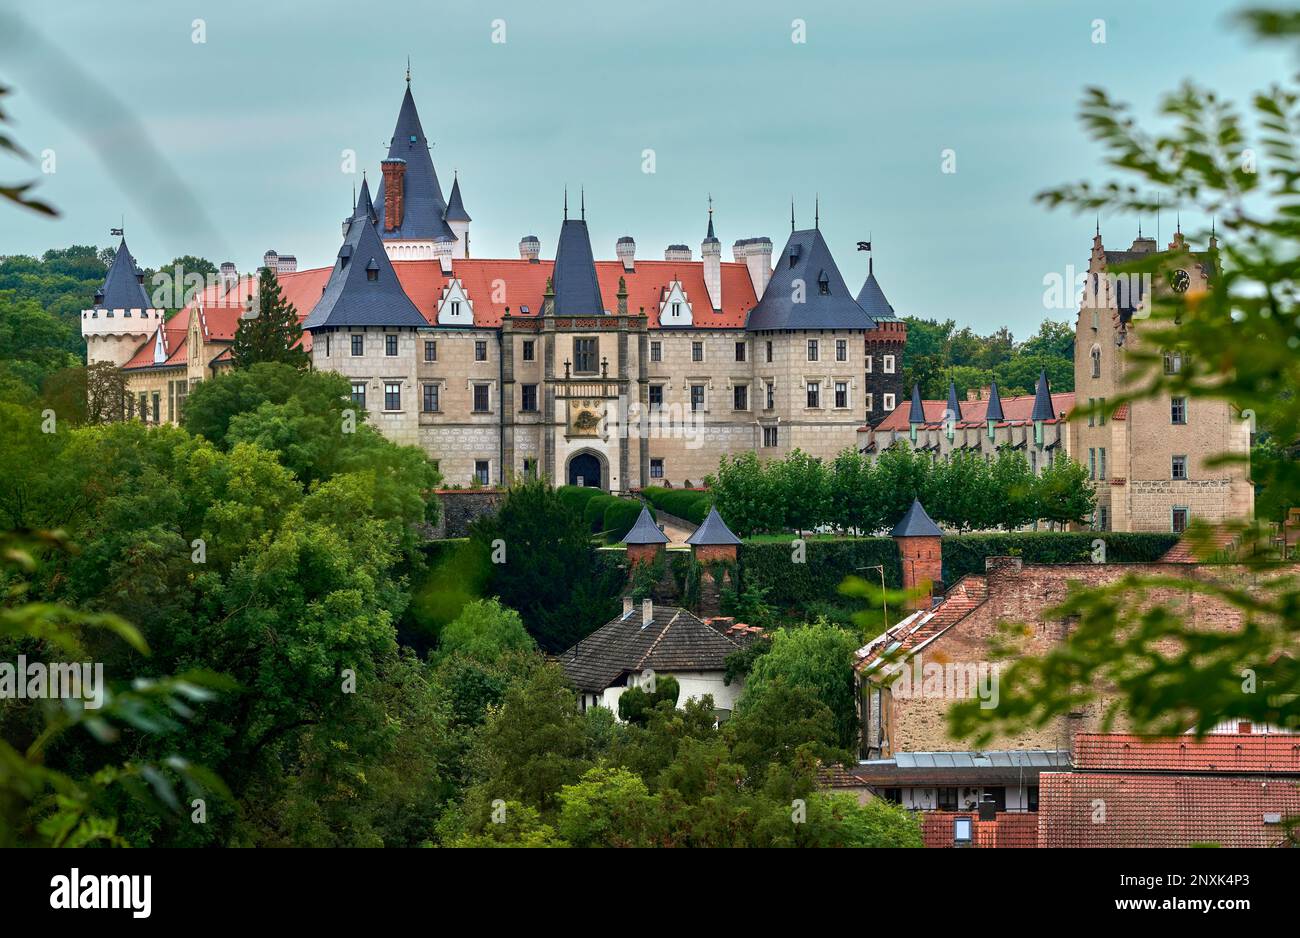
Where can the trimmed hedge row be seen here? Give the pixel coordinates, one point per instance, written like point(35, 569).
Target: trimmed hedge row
point(575, 497)
point(688, 504)
point(965, 554)
point(827, 563)
point(611, 514)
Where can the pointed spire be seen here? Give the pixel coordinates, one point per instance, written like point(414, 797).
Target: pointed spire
point(916, 414)
point(993, 412)
point(582, 196)
point(792, 213)
point(455, 206)
point(645, 531)
point(954, 405)
point(566, 203)
point(408, 71)
point(817, 211)
point(577, 291)
point(713, 532)
point(365, 206)
point(1043, 400)
point(709, 235)
point(423, 205)
point(122, 289)
point(916, 523)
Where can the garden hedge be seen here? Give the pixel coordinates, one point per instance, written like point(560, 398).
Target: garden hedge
point(575, 497)
point(828, 562)
point(688, 504)
point(619, 517)
point(594, 512)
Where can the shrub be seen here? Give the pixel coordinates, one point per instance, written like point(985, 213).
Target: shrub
point(966, 554)
point(575, 497)
point(594, 512)
point(688, 504)
point(620, 515)
point(770, 567)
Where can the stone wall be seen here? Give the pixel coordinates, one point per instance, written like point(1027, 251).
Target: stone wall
point(459, 508)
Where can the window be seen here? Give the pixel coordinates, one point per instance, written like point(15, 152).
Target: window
point(1101, 416)
point(740, 351)
point(584, 356)
point(1173, 362)
point(481, 398)
point(481, 471)
point(656, 351)
point(656, 395)
point(455, 308)
point(889, 402)
point(740, 397)
point(392, 395)
point(871, 402)
point(697, 397)
point(888, 364)
point(144, 407)
point(358, 345)
point(359, 394)
point(390, 345)
point(656, 468)
point(327, 345)
point(841, 394)
point(1178, 410)
point(771, 395)
point(1178, 469)
point(769, 436)
point(769, 351)
point(1101, 518)
point(677, 308)
point(1178, 520)
point(1092, 463)
point(1101, 463)
point(841, 350)
point(812, 350)
point(430, 402)
point(947, 800)
point(529, 352)
point(1096, 362)
point(157, 406)
point(480, 350)
point(1092, 416)
point(528, 397)
point(431, 350)
point(814, 394)
point(530, 468)
point(1033, 462)
point(372, 274)
point(697, 351)
point(870, 360)
point(961, 830)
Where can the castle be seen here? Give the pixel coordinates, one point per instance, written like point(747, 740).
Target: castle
point(613, 373)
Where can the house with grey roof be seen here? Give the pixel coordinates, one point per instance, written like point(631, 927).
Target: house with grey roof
point(645, 644)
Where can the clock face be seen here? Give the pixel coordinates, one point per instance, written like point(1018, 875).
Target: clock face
point(1180, 280)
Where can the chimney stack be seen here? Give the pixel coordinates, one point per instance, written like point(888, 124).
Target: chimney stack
point(229, 276)
point(394, 192)
point(626, 251)
point(647, 612)
point(677, 252)
point(627, 606)
point(530, 249)
point(756, 255)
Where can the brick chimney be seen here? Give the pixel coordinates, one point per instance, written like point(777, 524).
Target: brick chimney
point(627, 606)
point(394, 192)
point(920, 550)
point(647, 612)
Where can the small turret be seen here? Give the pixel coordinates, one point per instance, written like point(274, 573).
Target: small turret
point(121, 317)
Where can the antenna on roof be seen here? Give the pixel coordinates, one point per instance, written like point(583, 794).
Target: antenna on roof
point(792, 214)
point(817, 211)
point(582, 196)
point(566, 203)
point(1098, 231)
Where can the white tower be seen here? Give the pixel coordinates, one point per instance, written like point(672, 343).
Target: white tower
point(711, 253)
point(121, 318)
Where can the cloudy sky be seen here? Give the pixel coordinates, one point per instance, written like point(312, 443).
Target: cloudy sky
point(237, 143)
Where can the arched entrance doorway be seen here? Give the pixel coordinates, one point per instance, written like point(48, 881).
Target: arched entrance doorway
point(585, 469)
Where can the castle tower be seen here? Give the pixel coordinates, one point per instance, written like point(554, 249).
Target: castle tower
point(885, 347)
point(645, 542)
point(711, 253)
point(458, 220)
point(121, 317)
point(920, 548)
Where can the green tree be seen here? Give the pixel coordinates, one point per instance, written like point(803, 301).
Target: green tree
point(635, 704)
point(819, 658)
point(608, 807)
point(485, 630)
point(1063, 494)
point(273, 334)
point(807, 489)
point(748, 493)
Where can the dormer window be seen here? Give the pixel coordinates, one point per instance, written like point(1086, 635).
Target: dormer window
point(794, 255)
point(824, 284)
point(372, 270)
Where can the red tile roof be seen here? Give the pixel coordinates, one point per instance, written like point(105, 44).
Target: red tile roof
point(1009, 829)
point(1084, 809)
point(1225, 753)
point(967, 593)
point(1015, 409)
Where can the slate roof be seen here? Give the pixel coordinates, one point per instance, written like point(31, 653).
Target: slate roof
point(713, 532)
point(994, 410)
point(872, 299)
point(365, 204)
point(916, 411)
point(645, 531)
point(423, 207)
point(121, 289)
point(916, 523)
point(1043, 409)
point(1009, 411)
point(806, 257)
point(455, 207)
point(350, 297)
point(577, 291)
point(674, 641)
point(954, 405)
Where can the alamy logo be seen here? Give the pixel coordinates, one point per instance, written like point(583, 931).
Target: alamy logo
point(105, 891)
point(67, 680)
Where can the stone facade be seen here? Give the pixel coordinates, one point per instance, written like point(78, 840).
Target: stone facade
point(1150, 459)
